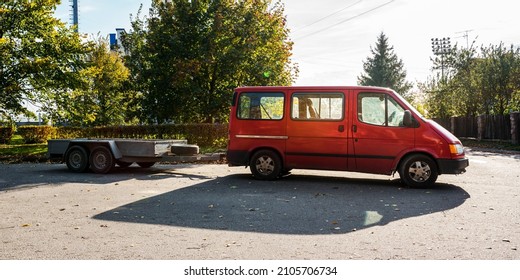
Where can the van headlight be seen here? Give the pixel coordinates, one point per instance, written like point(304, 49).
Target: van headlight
point(456, 149)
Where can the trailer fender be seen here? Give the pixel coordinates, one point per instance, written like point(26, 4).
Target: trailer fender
point(114, 149)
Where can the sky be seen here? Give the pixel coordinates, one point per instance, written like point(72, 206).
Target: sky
point(332, 38)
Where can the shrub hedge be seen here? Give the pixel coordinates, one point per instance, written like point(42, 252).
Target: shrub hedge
point(204, 135)
point(36, 133)
point(6, 133)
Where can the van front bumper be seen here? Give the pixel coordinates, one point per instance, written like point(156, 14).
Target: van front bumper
point(453, 166)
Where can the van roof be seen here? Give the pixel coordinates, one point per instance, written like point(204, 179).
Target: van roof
point(281, 88)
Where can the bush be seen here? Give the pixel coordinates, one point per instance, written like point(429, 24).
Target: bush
point(6, 133)
point(36, 134)
point(203, 135)
point(69, 132)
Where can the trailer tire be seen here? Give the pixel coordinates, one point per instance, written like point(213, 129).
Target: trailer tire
point(146, 164)
point(123, 163)
point(101, 160)
point(265, 165)
point(185, 150)
point(77, 159)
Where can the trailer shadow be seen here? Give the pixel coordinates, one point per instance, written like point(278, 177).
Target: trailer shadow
point(299, 204)
point(25, 176)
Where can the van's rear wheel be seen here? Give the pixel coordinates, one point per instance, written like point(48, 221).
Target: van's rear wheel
point(418, 171)
point(265, 165)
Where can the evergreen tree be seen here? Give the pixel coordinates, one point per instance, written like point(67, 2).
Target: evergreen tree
point(384, 68)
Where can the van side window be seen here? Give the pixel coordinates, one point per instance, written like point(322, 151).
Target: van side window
point(261, 106)
point(379, 109)
point(317, 106)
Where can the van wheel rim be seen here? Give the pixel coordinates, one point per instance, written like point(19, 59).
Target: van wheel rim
point(265, 165)
point(419, 171)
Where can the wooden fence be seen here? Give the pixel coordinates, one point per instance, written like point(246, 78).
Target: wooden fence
point(492, 127)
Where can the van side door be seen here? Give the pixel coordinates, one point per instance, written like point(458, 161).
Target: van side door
point(317, 130)
point(379, 134)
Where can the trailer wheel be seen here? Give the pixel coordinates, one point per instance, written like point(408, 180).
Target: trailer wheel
point(77, 159)
point(266, 165)
point(123, 163)
point(146, 164)
point(185, 150)
point(418, 171)
point(101, 160)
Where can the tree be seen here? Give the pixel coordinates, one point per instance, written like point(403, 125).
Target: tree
point(499, 73)
point(187, 56)
point(476, 82)
point(384, 68)
point(37, 53)
point(103, 97)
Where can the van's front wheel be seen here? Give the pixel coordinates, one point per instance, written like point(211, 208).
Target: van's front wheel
point(266, 165)
point(418, 171)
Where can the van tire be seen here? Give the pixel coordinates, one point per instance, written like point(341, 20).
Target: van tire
point(418, 171)
point(266, 165)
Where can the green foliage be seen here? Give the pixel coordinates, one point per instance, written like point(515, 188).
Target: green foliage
point(36, 134)
point(204, 135)
point(186, 57)
point(69, 132)
point(6, 133)
point(384, 68)
point(103, 97)
point(477, 81)
point(38, 53)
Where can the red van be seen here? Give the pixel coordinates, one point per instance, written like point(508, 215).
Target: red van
point(360, 129)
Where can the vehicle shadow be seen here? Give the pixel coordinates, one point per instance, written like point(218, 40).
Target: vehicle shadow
point(298, 204)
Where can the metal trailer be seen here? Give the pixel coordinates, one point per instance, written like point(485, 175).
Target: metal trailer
point(101, 155)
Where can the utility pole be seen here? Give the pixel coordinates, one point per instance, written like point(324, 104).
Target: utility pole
point(441, 47)
point(75, 14)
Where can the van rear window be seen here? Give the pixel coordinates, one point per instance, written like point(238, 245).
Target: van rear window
point(261, 106)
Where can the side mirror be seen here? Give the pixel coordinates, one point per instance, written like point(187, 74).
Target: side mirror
point(407, 119)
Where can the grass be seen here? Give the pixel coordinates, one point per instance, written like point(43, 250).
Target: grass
point(490, 145)
point(17, 151)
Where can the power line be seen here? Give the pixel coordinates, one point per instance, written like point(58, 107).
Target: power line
point(466, 36)
point(346, 20)
point(328, 16)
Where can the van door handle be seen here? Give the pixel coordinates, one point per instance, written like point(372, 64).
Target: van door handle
point(354, 128)
point(341, 128)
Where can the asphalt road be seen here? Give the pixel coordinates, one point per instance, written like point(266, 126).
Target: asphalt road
point(210, 212)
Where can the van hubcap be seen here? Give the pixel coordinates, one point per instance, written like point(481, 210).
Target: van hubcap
point(265, 165)
point(419, 171)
